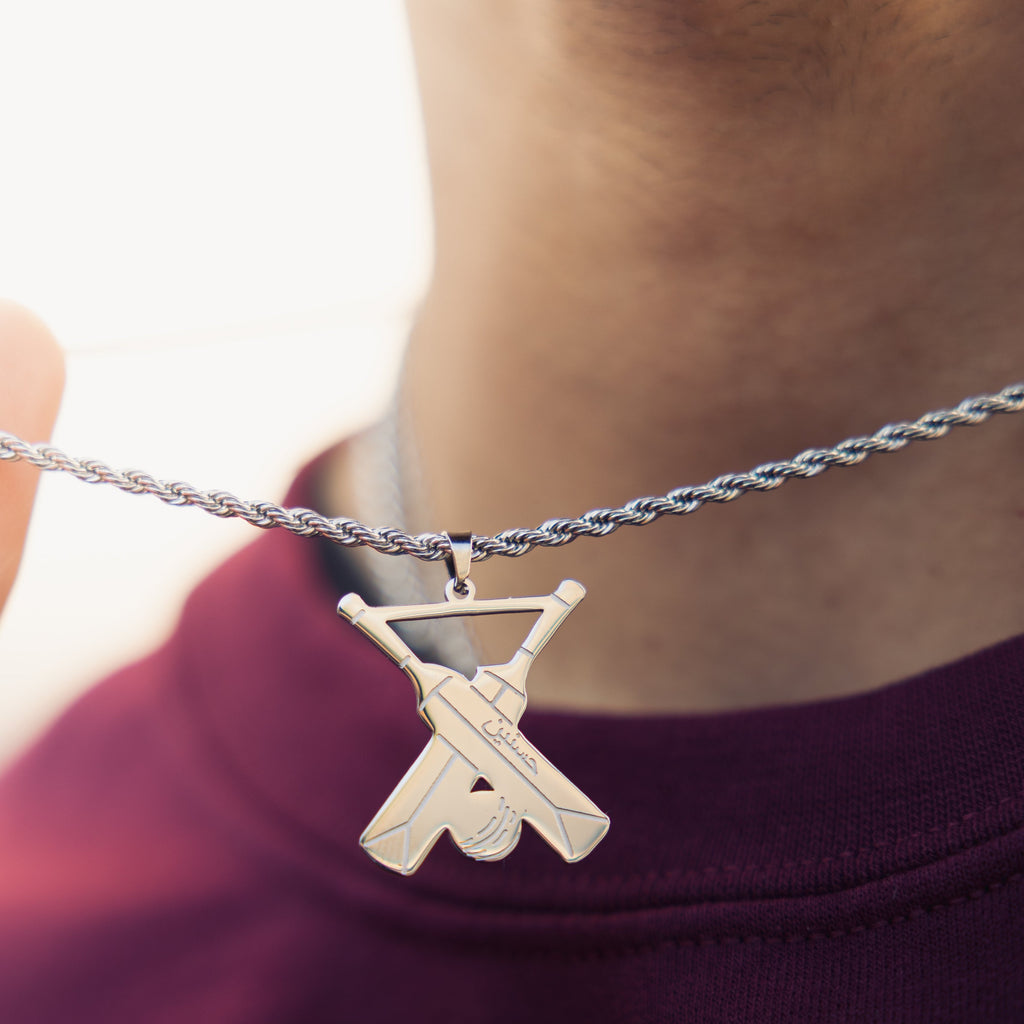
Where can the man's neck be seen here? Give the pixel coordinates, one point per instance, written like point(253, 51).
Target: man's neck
point(667, 250)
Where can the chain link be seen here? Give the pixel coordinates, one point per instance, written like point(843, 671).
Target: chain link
point(598, 522)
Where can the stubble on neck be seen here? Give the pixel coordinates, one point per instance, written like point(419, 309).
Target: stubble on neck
point(675, 240)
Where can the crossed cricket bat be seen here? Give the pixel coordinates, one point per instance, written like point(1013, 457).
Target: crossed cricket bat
point(475, 724)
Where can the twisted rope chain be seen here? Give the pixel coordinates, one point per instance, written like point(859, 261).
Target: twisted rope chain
point(512, 543)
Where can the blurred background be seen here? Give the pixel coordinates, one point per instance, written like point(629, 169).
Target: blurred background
point(221, 209)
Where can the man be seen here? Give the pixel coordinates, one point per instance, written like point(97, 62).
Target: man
point(673, 240)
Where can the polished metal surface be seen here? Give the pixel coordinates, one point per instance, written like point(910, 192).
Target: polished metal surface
point(599, 522)
point(460, 561)
point(475, 737)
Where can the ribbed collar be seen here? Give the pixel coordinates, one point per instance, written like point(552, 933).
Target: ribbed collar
point(315, 728)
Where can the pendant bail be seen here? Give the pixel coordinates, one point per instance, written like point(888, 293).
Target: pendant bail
point(459, 561)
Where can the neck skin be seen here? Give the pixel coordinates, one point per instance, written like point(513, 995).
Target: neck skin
point(678, 240)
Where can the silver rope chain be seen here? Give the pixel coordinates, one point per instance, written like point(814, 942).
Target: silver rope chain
point(598, 522)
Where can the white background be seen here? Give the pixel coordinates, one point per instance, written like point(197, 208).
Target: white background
point(220, 207)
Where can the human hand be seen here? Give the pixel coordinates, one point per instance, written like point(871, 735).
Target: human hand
point(31, 382)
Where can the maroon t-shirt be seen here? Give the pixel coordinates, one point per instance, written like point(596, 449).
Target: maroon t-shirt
point(182, 846)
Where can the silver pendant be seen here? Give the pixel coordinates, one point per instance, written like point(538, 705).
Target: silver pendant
point(475, 725)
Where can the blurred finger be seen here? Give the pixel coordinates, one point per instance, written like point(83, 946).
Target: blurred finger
point(31, 382)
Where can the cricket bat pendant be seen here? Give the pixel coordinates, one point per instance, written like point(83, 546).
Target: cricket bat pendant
point(475, 734)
